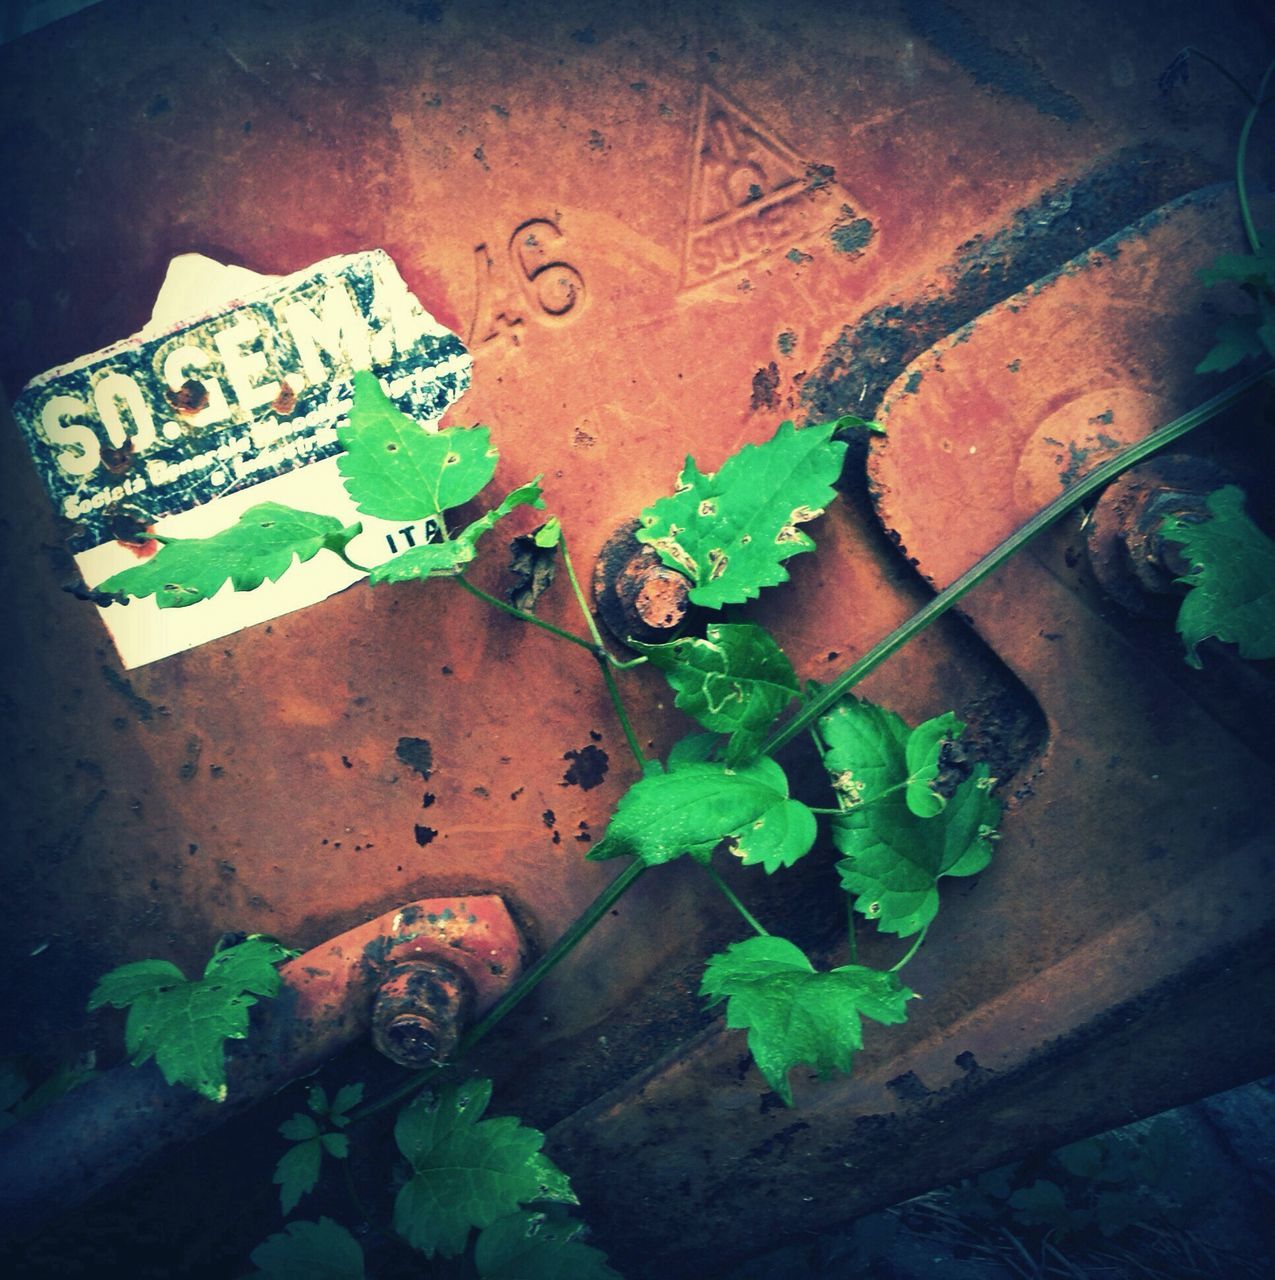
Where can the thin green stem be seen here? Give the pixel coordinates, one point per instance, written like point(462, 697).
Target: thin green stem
point(579, 595)
point(733, 899)
point(1218, 67)
point(614, 691)
point(520, 990)
point(1241, 160)
point(354, 564)
point(864, 804)
point(522, 614)
point(941, 603)
point(600, 652)
point(912, 950)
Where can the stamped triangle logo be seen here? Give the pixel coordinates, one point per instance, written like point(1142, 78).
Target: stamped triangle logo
point(751, 193)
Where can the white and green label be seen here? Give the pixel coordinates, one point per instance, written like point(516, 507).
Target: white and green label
point(219, 404)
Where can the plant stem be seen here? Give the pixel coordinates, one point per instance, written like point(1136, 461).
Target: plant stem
point(912, 950)
point(941, 603)
point(614, 690)
point(504, 607)
point(1241, 156)
point(733, 899)
point(857, 805)
point(354, 564)
point(1218, 67)
point(600, 652)
point(522, 988)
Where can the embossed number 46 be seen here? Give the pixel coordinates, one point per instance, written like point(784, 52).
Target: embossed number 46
point(551, 289)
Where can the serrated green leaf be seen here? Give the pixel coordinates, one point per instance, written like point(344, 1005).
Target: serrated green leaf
point(183, 1024)
point(1237, 339)
point(1040, 1205)
point(299, 1128)
point(430, 560)
point(322, 1250)
point(731, 532)
point(122, 986)
point(1232, 581)
point(467, 1172)
point(698, 804)
point(1255, 269)
point(347, 1097)
point(316, 1099)
point(553, 1185)
point(249, 965)
point(445, 559)
point(549, 535)
point(336, 1145)
point(396, 470)
point(922, 754)
point(736, 681)
point(895, 858)
point(794, 1014)
point(536, 1246)
point(851, 420)
point(1082, 1159)
point(297, 1173)
point(261, 546)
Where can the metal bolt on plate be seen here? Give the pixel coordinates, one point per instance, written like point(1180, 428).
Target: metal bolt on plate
point(1133, 562)
point(420, 1009)
point(638, 596)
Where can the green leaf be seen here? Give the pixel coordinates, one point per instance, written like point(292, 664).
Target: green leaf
point(736, 680)
point(467, 1172)
point(396, 470)
point(894, 857)
point(1232, 579)
point(430, 560)
point(184, 1024)
point(122, 986)
point(260, 547)
point(922, 755)
point(549, 535)
point(730, 532)
point(1041, 1205)
point(849, 420)
point(347, 1097)
point(537, 1246)
point(1253, 269)
point(552, 1184)
point(1083, 1159)
point(297, 1172)
point(321, 1250)
point(1237, 339)
point(793, 1013)
point(699, 803)
point(316, 1099)
point(299, 1128)
point(445, 559)
point(336, 1145)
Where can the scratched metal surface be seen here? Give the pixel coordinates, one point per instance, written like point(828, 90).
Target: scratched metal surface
point(739, 213)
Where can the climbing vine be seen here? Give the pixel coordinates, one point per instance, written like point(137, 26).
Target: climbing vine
point(481, 1184)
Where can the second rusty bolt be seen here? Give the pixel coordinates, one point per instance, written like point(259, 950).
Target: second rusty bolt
point(638, 596)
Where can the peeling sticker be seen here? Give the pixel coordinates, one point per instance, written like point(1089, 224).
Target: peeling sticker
point(231, 396)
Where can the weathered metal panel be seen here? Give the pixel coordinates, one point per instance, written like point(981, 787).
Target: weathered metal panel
point(917, 163)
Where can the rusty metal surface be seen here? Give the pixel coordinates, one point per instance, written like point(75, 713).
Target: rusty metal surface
point(917, 162)
point(1132, 861)
point(330, 998)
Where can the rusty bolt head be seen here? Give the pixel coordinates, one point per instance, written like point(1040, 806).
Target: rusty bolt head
point(637, 595)
point(420, 1010)
point(1129, 555)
